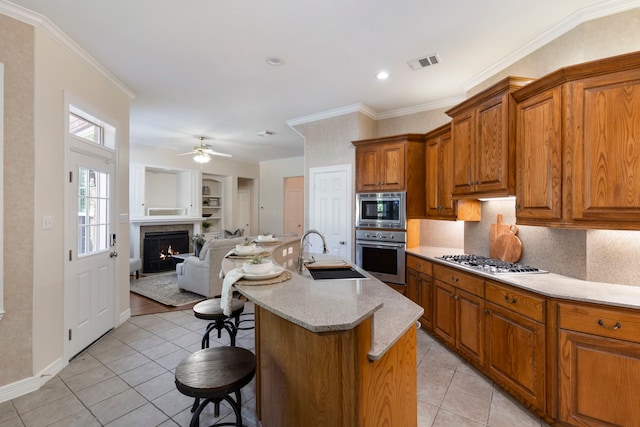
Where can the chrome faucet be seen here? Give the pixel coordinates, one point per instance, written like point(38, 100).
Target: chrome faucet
point(301, 260)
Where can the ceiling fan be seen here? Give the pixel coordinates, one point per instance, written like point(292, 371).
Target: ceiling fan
point(203, 152)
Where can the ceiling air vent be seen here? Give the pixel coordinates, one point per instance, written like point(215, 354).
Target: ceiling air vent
point(424, 61)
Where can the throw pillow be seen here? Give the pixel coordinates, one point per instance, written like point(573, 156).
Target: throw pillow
point(204, 250)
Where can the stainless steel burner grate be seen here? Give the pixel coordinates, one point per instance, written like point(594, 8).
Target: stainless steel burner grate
point(490, 265)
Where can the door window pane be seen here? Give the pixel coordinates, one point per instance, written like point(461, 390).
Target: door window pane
point(93, 211)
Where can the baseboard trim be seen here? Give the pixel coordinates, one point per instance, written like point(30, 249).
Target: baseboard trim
point(27, 385)
point(124, 316)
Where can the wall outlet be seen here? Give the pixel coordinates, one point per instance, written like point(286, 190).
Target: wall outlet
point(284, 252)
point(290, 250)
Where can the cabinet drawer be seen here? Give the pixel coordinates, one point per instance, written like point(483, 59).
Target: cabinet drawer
point(467, 282)
point(518, 300)
point(420, 265)
point(609, 322)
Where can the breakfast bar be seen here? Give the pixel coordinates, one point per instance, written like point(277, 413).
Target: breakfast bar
point(338, 352)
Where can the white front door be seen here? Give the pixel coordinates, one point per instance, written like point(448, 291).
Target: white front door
point(330, 209)
point(90, 282)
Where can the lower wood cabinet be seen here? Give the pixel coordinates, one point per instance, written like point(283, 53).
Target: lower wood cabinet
point(420, 287)
point(573, 363)
point(515, 354)
point(515, 335)
point(598, 375)
point(458, 315)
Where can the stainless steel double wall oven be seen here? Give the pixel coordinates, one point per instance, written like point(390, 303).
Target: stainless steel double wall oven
point(381, 235)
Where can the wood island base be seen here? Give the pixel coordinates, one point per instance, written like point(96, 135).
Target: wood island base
point(327, 379)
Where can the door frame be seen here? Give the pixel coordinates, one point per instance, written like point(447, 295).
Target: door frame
point(74, 144)
point(347, 168)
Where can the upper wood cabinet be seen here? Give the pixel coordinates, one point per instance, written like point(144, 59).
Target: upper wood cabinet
point(482, 130)
point(578, 144)
point(440, 204)
point(394, 163)
point(439, 186)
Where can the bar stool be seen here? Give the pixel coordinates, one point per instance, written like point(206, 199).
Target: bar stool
point(210, 310)
point(212, 375)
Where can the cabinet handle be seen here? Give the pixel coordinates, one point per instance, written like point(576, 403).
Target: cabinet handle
point(456, 297)
point(618, 325)
point(454, 279)
point(451, 295)
point(486, 311)
point(510, 301)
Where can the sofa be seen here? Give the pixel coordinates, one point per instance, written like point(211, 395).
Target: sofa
point(201, 274)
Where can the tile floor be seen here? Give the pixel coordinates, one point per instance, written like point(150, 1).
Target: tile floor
point(126, 379)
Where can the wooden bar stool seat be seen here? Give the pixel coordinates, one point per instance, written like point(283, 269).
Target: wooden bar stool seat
point(210, 310)
point(212, 375)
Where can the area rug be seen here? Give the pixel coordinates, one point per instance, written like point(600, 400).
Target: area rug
point(164, 289)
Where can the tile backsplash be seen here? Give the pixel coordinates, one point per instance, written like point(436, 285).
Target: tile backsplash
point(609, 256)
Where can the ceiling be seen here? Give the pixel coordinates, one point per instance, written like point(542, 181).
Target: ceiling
point(199, 67)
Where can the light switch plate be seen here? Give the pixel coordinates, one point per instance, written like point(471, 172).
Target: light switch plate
point(47, 222)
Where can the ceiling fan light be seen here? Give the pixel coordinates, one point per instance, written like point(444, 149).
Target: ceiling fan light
point(202, 158)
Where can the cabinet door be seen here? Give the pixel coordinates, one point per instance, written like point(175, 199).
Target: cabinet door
point(367, 168)
point(448, 206)
point(392, 168)
point(598, 380)
point(539, 148)
point(425, 299)
point(433, 177)
point(137, 190)
point(493, 147)
point(470, 325)
point(413, 283)
point(444, 311)
point(439, 155)
point(606, 184)
point(463, 135)
point(515, 353)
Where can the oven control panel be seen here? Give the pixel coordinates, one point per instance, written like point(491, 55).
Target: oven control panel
point(380, 235)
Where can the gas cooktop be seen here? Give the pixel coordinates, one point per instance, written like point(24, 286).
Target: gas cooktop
point(490, 265)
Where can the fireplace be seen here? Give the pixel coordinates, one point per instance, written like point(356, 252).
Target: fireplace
point(159, 246)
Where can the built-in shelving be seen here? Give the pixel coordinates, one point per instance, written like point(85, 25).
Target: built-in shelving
point(211, 203)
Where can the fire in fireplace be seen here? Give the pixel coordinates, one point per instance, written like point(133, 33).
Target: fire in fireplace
point(159, 248)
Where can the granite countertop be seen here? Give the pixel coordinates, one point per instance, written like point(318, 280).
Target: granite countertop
point(549, 284)
point(333, 305)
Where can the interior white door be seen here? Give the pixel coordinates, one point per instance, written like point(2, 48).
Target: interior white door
point(293, 205)
point(244, 211)
point(330, 205)
point(90, 284)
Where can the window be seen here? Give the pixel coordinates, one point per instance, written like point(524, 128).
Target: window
point(91, 129)
point(85, 129)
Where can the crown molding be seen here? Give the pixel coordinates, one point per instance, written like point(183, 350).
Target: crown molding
point(442, 103)
point(354, 108)
point(50, 29)
point(581, 16)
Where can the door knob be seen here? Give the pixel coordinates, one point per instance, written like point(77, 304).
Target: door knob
point(113, 254)
point(342, 242)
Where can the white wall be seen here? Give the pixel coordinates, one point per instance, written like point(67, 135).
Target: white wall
point(58, 74)
point(272, 174)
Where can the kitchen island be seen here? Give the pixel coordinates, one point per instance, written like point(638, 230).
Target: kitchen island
point(332, 352)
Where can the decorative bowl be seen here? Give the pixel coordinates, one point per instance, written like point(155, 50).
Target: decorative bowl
point(245, 248)
point(264, 267)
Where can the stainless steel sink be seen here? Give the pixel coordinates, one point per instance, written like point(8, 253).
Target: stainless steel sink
point(335, 273)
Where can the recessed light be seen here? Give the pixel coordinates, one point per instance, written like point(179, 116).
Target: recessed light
point(382, 75)
point(274, 61)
